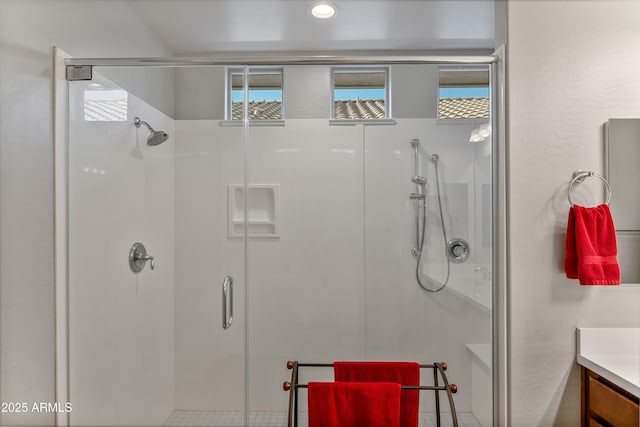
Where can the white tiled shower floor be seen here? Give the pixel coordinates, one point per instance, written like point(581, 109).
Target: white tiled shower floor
point(279, 419)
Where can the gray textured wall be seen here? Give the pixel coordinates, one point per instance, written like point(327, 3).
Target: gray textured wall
point(564, 83)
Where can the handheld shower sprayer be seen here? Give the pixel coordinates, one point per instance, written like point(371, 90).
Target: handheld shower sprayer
point(156, 137)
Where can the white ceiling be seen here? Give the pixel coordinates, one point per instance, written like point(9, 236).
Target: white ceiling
point(202, 26)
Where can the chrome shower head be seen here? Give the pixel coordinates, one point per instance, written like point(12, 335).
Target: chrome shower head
point(157, 137)
point(419, 180)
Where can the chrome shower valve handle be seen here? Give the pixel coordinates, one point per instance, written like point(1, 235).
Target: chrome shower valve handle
point(458, 250)
point(138, 257)
point(152, 263)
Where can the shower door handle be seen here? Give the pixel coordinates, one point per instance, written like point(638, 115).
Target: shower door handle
point(227, 302)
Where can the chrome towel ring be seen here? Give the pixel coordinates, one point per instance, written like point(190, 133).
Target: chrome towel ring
point(579, 176)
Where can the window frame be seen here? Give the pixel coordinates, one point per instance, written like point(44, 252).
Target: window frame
point(458, 68)
point(360, 70)
point(253, 70)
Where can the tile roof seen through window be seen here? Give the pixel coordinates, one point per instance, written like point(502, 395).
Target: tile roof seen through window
point(449, 108)
point(258, 110)
point(463, 108)
point(359, 109)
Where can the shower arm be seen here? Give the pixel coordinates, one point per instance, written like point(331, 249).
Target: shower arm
point(137, 122)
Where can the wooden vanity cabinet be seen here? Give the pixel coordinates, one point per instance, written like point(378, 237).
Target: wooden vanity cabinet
point(606, 404)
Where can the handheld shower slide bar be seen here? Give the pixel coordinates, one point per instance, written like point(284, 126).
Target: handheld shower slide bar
point(420, 196)
point(417, 179)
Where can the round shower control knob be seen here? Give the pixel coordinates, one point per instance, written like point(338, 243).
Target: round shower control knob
point(457, 250)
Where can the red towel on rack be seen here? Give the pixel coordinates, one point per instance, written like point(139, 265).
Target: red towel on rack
point(354, 404)
point(405, 373)
point(591, 247)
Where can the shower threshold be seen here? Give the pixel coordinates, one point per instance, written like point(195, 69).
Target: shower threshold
point(279, 419)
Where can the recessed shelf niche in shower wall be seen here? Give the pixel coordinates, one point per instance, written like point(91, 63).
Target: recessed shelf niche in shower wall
point(263, 210)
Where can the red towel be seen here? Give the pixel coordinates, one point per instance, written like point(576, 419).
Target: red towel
point(404, 373)
point(354, 404)
point(591, 247)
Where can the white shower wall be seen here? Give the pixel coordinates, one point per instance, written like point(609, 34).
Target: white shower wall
point(121, 324)
point(338, 282)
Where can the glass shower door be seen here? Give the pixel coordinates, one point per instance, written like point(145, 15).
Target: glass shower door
point(164, 344)
point(210, 246)
point(210, 254)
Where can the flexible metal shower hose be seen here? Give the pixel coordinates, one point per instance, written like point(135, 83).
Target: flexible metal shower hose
point(441, 286)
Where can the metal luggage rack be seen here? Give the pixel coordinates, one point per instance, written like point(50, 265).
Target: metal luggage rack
point(293, 386)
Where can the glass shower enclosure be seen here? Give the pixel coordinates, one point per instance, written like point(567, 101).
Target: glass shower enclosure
point(273, 222)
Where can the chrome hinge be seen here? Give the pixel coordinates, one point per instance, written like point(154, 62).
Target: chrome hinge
point(79, 72)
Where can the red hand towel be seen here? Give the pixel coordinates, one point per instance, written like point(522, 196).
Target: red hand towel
point(591, 246)
point(354, 404)
point(405, 373)
point(571, 254)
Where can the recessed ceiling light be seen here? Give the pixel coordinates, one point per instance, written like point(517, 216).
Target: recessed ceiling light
point(323, 10)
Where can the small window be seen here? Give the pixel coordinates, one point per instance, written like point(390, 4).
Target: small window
point(360, 93)
point(463, 93)
point(265, 94)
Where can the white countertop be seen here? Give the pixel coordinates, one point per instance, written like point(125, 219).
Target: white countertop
point(612, 353)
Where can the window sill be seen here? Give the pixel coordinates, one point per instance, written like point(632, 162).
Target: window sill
point(240, 123)
point(354, 122)
point(440, 121)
